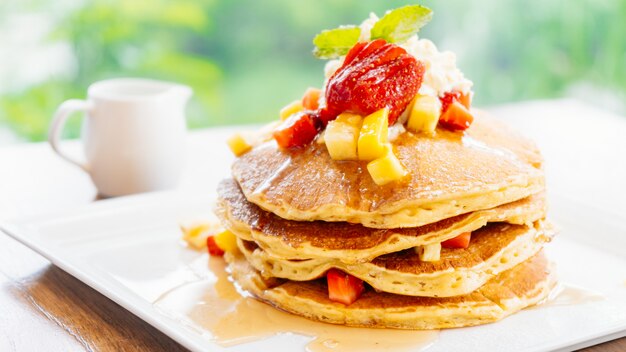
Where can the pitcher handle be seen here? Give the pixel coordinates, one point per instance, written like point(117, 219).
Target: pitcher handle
point(64, 111)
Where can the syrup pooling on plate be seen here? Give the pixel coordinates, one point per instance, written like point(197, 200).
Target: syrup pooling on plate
point(217, 309)
point(565, 294)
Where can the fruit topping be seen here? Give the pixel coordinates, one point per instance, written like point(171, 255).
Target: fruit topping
point(226, 240)
point(430, 252)
point(310, 100)
point(460, 241)
point(387, 168)
point(424, 114)
point(290, 109)
point(456, 117)
point(465, 100)
point(213, 248)
point(297, 130)
point(196, 233)
point(451, 97)
point(342, 287)
point(374, 75)
point(342, 135)
point(238, 144)
point(373, 135)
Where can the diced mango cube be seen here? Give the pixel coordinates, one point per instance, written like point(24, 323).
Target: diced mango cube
point(290, 109)
point(386, 168)
point(342, 135)
point(226, 240)
point(238, 144)
point(430, 252)
point(424, 114)
point(373, 135)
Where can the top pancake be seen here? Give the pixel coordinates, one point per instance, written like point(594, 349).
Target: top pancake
point(451, 173)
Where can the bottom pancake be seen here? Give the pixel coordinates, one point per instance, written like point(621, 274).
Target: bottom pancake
point(510, 291)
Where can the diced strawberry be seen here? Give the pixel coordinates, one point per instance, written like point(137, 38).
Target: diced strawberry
point(325, 116)
point(374, 75)
point(214, 249)
point(297, 130)
point(310, 100)
point(456, 117)
point(460, 241)
point(342, 287)
point(450, 97)
point(447, 99)
point(466, 100)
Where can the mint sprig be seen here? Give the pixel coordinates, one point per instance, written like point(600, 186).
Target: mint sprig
point(334, 43)
point(400, 24)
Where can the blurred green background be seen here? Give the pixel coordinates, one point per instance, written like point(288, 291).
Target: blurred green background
point(245, 59)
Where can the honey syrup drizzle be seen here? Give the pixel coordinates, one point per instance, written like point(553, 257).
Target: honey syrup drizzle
point(217, 309)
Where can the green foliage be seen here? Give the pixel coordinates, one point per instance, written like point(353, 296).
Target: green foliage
point(245, 59)
point(400, 24)
point(334, 43)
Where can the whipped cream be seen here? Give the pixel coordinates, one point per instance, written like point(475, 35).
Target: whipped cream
point(395, 131)
point(441, 74)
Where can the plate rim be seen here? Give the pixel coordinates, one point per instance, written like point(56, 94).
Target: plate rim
point(16, 228)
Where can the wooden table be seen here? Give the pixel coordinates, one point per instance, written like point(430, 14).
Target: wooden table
point(44, 309)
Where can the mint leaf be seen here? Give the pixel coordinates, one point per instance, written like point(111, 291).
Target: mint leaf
point(333, 43)
point(399, 24)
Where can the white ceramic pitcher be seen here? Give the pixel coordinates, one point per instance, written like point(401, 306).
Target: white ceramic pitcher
point(133, 134)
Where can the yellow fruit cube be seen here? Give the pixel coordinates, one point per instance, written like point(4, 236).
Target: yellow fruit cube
point(424, 114)
point(238, 145)
point(429, 252)
point(290, 109)
point(196, 234)
point(386, 168)
point(226, 240)
point(342, 135)
point(373, 135)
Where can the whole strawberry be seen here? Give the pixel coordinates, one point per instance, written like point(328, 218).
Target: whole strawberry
point(374, 75)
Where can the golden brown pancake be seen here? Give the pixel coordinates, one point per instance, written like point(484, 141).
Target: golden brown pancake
point(510, 291)
point(493, 249)
point(450, 174)
point(353, 243)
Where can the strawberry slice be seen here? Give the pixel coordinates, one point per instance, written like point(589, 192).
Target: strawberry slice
point(213, 248)
point(342, 287)
point(297, 130)
point(456, 117)
point(460, 241)
point(374, 75)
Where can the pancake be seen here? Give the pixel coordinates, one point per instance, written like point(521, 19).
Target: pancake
point(450, 174)
point(353, 243)
point(524, 285)
point(493, 249)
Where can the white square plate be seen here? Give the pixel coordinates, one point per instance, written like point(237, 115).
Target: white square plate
point(129, 249)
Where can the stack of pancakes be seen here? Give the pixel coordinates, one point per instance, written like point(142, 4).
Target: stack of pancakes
point(298, 213)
